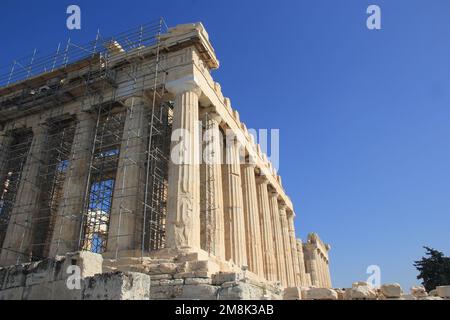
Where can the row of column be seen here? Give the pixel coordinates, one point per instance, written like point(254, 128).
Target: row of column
point(252, 226)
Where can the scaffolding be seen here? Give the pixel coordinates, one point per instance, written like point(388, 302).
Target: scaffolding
point(87, 155)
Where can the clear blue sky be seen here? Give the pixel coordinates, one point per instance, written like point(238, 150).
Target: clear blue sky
point(364, 116)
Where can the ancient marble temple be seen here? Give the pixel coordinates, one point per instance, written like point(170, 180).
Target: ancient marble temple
point(88, 140)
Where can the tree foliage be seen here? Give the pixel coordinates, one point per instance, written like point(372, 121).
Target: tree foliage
point(434, 269)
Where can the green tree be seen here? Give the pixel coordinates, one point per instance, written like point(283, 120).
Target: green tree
point(434, 269)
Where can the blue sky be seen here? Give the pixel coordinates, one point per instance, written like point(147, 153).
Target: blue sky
point(363, 115)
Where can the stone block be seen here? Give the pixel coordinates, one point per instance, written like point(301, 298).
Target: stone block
point(391, 290)
point(198, 281)
point(362, 291)
point(199, 292)
point(443, 291)
point(55, 290)
point(293, 293)
point(243, 291)
point(321, 294)
point(89, 263)
point(166, 292)
point(163, 268)
point(193, 274)
point(11, 294)
point(419, 291)
point(221, 277)
point(117, 286)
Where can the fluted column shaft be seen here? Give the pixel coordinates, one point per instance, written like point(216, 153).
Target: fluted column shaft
point(270, 267)
point(235, 238)
point(278, 238)
point(301, 263)
point(183, 217)
point(68, 221)
point(252, 227)
point(294, 253)
point(17, 243)
point(287, 247)
point(313, 268)
point(212, 221)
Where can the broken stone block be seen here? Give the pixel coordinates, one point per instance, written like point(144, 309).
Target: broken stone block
point(433, 293)
point(443, 291)
point(340, 293)
point(117, 286)
point(391, 290)
point(362, 291)
point(419, 291)
point(321, 294)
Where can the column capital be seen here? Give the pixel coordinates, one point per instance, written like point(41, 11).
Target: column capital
point(182, 85)
point(212, 115)
point(274, 193)
point(262, 179)
point(249, 165)
point(282, 206)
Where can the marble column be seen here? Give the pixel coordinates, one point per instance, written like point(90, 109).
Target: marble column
point(313, 268)
point(69, 219)
point(278, 238)
point(270, 267)
point(212, 221)
point(287, 246)
point(183, 216)
point(252, 227)
point(301, 263)
point(126, 209)
point(17, 243)
point(294, 253)
point(235, 238)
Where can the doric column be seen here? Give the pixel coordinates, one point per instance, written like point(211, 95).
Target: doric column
point(17, 243)
point(278, 238)
point(301, 263)
point(66, 232)
point(313, 268)
point(252, 227)
point(235, 239)
point(270, 268)
point(287, 246)
point(183, 216)
point(294, 253)
point(212, 222)
point(127, 197)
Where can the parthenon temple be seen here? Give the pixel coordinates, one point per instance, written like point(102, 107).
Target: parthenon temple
point(126, 149)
